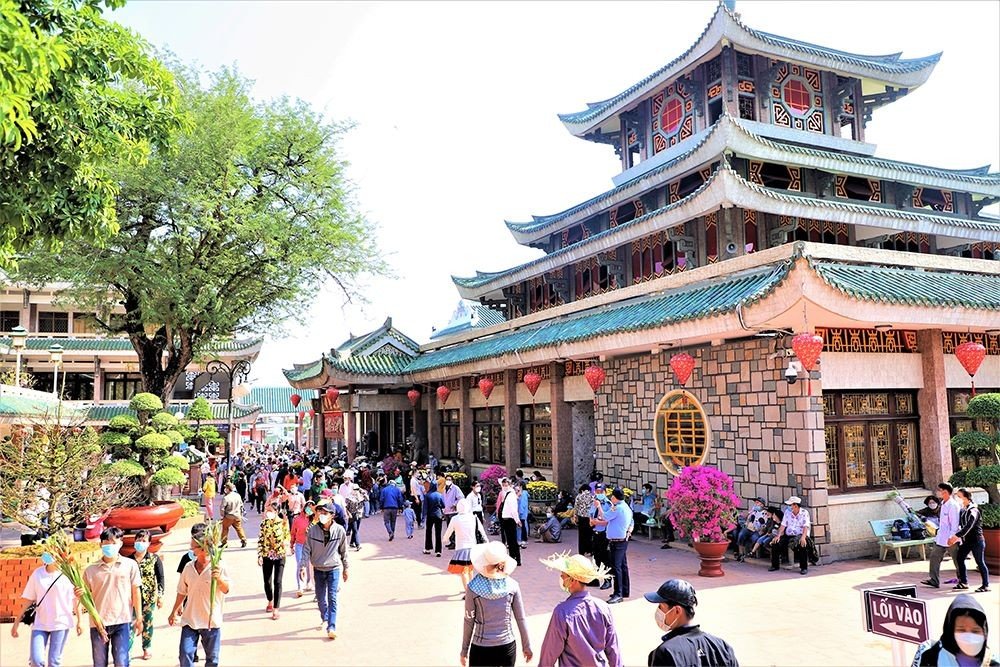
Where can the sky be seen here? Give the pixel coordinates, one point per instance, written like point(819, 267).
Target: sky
point(454, 108)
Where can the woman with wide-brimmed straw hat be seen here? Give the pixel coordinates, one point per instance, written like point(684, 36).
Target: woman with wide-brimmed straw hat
point(463, 527)
point(581, 630)
point(491, 599)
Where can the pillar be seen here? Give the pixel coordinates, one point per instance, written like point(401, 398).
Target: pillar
point(465, 426)
point(562, 429)
point(511, 422)
point(351, 434)
point(434, 444)
point(932, 405)
point(98, 380)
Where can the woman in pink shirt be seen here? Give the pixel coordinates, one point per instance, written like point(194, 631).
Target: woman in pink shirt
point(300, 525)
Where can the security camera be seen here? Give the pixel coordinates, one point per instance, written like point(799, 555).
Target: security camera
point(792, 372)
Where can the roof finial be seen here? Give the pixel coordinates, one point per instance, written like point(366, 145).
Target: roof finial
point(730, 5)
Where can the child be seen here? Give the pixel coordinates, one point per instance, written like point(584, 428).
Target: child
point(770, 530)
point(409, 517)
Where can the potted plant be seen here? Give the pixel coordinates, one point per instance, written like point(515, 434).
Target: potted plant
point(490, 481)
point(543, 492)
point(985, 449)
point(140, 447)
point(703, 507)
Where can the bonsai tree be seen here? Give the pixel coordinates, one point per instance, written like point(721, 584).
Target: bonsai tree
point(53, 477)
point(982, 447)
point(140, 446)
point(702, 504)
point(199, 411)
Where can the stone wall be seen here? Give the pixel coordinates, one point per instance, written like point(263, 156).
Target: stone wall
point(766, 434)
point(583, 443)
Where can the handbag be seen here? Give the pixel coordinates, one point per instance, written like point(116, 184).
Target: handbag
point(28, 615)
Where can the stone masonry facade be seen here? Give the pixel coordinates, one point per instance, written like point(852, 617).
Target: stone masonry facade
point(766, 434)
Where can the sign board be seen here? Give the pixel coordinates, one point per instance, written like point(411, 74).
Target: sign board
point(896, 616)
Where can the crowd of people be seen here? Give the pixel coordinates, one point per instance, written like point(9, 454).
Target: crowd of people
point(312, 509)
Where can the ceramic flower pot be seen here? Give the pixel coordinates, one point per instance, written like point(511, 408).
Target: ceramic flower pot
point(711, 554)
point(162, 515)
point(992, 536)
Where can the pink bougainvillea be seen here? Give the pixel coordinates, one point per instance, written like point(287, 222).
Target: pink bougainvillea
point(702, 504)
point(490, 481)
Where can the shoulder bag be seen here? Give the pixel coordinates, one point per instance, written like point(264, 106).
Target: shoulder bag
point(28, 615)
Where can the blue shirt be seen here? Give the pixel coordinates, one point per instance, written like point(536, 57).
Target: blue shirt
point(522, 505)
point(619, 520)
point(605, 507)
point(391, 497)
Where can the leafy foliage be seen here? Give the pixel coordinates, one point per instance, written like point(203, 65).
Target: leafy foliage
point(164, 421)
point(127, 468)
point(227, 233)
point(176, 461)
point(990, 513)
point(702, 503)
point(168, 476)
point(975, 443)
point(200, 410)
point(79, 96)
point(123, 423)
point(985, 406)
point(191, 508)
point(145, 402)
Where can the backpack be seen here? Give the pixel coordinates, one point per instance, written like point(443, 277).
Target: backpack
point(900, 530)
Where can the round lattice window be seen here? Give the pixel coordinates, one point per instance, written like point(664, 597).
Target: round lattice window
point(681, 431)
point(797, 97)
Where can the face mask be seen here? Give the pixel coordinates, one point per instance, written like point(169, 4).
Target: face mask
point(563, 585)
point(270, 515)
point(48, 559)
point(548, 515)
point(447, 483)
point(661, 620)
point(932, 506)
point(294, 489)
point(141, 546)
point(325, 518)
point(191, 554)
point(110, 550)
point(602, 497)
point(969, 642)
point(309, 511)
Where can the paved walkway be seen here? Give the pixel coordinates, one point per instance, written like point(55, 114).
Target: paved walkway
point(400, 607)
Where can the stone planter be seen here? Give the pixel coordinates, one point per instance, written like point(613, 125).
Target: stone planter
point(711, 554)
point(14, 573)
point(992, 536)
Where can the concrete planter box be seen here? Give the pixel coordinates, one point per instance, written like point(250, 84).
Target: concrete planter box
point(14, 573)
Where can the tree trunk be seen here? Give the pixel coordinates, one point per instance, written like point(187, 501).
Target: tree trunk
point(156, 379)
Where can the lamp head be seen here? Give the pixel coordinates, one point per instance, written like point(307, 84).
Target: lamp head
point(55, 353)
point(18, 337)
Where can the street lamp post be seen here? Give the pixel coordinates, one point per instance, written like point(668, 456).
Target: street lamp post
point(237, 373)
point(18, 338)
point(55, 356)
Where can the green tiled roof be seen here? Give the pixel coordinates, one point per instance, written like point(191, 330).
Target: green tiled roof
point(306, 371)
point(102, 412)
point(358, 344)
point(34, 406)
point(718, 296)
point(372, 364)
point(887, 64)
point(912, 287)
point(272, 400)
point(70, 344)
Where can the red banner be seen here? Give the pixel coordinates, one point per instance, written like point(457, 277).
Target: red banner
point(333, 425)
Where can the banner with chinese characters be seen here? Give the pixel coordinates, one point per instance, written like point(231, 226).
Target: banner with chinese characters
point(333, 425)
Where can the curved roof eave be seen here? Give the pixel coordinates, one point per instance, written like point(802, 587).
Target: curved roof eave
point(890, 69)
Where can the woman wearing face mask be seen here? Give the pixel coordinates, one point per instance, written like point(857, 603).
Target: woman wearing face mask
point(970, 539)
point(53, 593)
point(963, 642)
point(151, 575)
point(931, 511)
point(272, 547)
point(300, 525)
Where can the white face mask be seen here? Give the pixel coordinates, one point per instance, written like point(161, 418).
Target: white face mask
point(325, 519)
point(563, 585)
point(661, 620)
point(969, 642)
point(270, 515)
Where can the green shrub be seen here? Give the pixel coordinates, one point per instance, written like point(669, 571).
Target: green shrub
point(113, 439)
point(123, 423)
point(975, 443)
point(983, 476)
point(176, 461)
point(991, 515)
point(175, 436)
point(154, 441)
point(191, 508)
point(146, 402)
point(127, 468)
point(200, 410)
point(163, 421)
point(985, 406)
point(168, 476)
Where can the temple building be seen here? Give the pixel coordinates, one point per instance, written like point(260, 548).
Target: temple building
point(750, 208)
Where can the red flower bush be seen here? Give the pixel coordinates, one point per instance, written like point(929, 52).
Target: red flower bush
point(702, 504)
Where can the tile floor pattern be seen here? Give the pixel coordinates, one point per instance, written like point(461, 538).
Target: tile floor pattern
point(400, 608)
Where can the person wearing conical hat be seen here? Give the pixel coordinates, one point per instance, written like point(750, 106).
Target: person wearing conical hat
point(581, 630)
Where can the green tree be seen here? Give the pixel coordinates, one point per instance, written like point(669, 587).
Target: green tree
point(78, 95)
point(229, 232)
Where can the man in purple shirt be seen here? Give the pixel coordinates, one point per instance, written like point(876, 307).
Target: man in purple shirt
point(581, 630)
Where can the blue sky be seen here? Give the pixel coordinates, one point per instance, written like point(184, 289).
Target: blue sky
point(455, 105)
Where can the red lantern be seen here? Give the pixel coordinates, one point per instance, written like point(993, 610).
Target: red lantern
point(332, 394)
point(414, 396)
point(486, 387)
point(443, 393)
point(312, 413)
point(302, 415)
point(532, 381)
point(595, 376)
point(295, 398)
point(807, 348)
point(682, 364)
point(970, 354)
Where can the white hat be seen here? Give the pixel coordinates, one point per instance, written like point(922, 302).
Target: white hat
point(577, 567)
point(492, 553)
point(794, 500)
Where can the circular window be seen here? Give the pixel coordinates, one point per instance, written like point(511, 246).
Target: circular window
point(681, 431)
point(673, 114)
point(797, 97)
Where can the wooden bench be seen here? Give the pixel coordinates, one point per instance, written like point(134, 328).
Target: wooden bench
point(883, 531)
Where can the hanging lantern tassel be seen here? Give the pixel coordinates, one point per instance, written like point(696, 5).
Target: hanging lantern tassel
point(532, 381)
point(807, 348)
point(414, 396)
point(443, 392)
point(682, 364)
point(970, 354)
point(486, 388)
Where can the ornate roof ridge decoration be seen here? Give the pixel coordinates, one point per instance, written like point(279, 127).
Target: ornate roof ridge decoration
point(913, 287)
point(272, 400)
point(481, 317)
point(357, 345)
point(725, 25)
point(101, 412)
point(725, 186)
point(705, 150)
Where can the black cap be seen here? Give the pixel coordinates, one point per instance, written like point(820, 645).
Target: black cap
point(675, 591)
point(599, 485)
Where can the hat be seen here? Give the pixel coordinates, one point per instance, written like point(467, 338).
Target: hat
point(492, 553)
point(463, 506)
point(599, 485)
point(577, 566)
point(324, 505)
point(760, 499)
point(674, 591)
point(793, 500)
